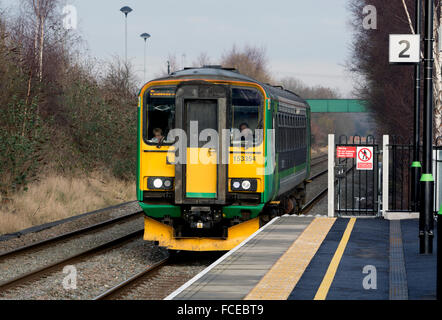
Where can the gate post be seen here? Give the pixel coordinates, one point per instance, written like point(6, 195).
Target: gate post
point(331, 175)
point(385, 173)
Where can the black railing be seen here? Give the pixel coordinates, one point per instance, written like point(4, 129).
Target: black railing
point(401, 157)
point(357, 190)
point(438, 175)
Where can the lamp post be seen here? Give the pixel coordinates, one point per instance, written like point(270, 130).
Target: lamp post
point(126, 10)
point(426, 220)
point(145, 36)
point(416, 165)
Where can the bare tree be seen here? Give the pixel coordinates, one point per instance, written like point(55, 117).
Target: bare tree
point(389, 88)
point(202, 60)
point(250, 61)
point(437, 76)
point(170, 65)
point(42, 10)
point(309, 92)
point(120, 83)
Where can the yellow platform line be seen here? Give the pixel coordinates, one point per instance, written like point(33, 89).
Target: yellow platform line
point(322, 292)
point(279, 281)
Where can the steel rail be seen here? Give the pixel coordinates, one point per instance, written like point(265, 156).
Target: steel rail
point(9, 254)
point(318, 175)
point(114, 291)
point(309, 205)
point(322, 160)
point(32, 275)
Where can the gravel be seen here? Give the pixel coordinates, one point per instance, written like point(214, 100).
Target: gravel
point(79, 223)
point(95, 274)
point(106, 269)
point(179, 269)
point(23, 263)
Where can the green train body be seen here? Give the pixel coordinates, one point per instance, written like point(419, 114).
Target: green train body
point(213, 206)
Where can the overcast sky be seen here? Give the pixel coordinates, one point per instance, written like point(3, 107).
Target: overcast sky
point(305, 39)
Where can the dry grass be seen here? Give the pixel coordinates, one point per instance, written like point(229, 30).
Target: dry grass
point(56, 197)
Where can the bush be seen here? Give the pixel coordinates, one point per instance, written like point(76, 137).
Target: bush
point(21, 140)
point(103, 132)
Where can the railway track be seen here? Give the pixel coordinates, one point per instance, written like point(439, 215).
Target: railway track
point(51, 241)
point(318, 160)
point(156, 273)
point(154, 282)
point(40, 244)
point(57, 265)
point(318, 197)
point(158, 280)
point(37, 260)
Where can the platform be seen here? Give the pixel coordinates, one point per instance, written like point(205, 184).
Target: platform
point(318, 258)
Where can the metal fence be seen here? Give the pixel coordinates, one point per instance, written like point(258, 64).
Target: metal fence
point(401, 157)
point(437, 170)
point(357, 191)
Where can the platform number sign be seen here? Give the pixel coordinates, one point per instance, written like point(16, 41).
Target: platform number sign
point(364, 158)
point(404, 48)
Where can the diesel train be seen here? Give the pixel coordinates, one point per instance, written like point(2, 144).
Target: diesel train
point(219, 155)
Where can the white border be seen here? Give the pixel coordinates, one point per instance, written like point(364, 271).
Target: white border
point(217, 262)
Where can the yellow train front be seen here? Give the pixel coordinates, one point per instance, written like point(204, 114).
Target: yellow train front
point(219, 155)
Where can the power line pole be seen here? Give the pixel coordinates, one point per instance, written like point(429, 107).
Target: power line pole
point(426, 220)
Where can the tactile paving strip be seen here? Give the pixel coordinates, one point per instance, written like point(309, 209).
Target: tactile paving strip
point(398, 274)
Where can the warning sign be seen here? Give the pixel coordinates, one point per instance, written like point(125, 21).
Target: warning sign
point(364, 160)
point(346, 152)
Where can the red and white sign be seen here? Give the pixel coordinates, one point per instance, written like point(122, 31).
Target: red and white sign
point(364, 159)
point(346, 152)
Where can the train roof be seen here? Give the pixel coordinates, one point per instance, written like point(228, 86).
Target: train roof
point(220, 73)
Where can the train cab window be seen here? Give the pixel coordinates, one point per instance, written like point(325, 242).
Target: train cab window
point(246, 116)
point(160, 114)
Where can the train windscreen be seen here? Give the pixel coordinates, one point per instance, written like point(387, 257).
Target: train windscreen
point(160, 114)
point(246, 116)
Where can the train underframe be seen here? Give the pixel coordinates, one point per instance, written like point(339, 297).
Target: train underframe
point(205, 228)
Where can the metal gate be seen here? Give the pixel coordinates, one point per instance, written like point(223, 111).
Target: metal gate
point(358, 192)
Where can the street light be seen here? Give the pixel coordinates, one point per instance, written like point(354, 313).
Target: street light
point(126, 10)
point(145, 36)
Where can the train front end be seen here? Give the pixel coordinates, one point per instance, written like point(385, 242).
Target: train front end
point(202, 161)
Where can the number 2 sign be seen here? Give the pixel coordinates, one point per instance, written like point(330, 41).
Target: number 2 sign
point(404, 48)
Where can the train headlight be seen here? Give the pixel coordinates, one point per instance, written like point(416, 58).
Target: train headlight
point(160, 183)
point(167, 184)
point(246, 185)
point(250, 185)
point(236, 185)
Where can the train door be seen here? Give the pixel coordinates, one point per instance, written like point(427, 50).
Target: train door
point(201, 111)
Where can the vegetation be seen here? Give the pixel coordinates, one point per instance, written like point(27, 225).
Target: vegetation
point(68, 124)
point(57, 114)
point(389, 88)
